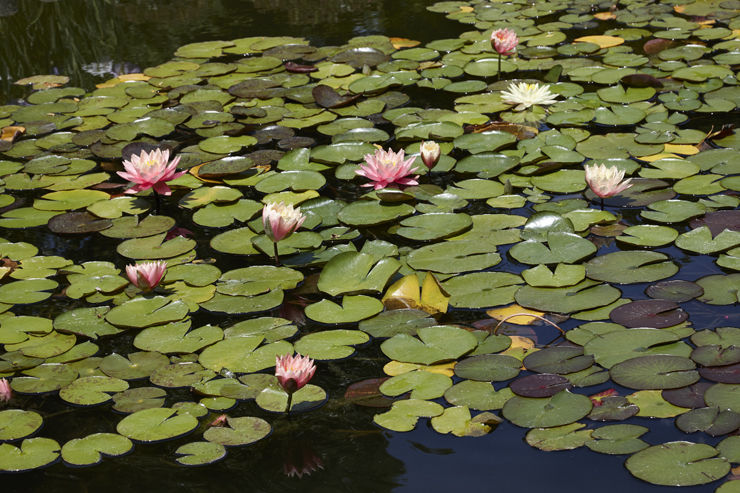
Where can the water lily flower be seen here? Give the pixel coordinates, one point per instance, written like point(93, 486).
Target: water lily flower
point(146, 275)
point(430, 153)
point(526, 95)
point(219, 421)
point(280, 220)
point(151, 170)
point(5, 392)
point(387, 169)
point(175, 232)
point(606, 182)
point(504, 41)
point(293, 373)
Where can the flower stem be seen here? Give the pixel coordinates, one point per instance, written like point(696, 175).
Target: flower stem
point(290, 401)
point(156, 203)
point(602, 203)
point(277, 260)
point(499, 67)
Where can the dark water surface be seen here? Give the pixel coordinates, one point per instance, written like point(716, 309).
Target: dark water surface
point(94, 40)
point(91, 41)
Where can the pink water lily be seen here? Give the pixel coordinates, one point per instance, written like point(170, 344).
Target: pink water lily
point(387, 169)
point(151, 170)
point(606, 182)
point(504, 41)
point(280, 220)
point(430, 153)
point(5, 392)
point(294, 372)
point(146, 275)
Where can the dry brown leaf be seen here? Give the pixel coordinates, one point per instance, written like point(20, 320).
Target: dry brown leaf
point(9, 134)
point(605, 16)
point(133, 77)
point(399, 43)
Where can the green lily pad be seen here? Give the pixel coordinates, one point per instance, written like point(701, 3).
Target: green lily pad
point(561, 409)
point(155, 425)
point(566, 437)
point(92, 391)
point(454, 257)
point(353, 309)
point(618, 439)
point(200, 453)
point(177, 338)
point(145, 312)
point(89, 451)
point(240, 432)
point(655, 372)
point(33, 453)
point(421, 384)
point(435, 345)
point(135, 367)
point(458, 421)
point(630, 267)
point(561, 248)
point(404, 415)
point(482, 289)
point(44, 378)
point(477, 395)
point(621, 345)
point(352, 273)
point(331, 344)
point(88, 322)
point(242, 354)
point(155, 247)
point(364, 213)
point(26, 292)
point(488, 368)
point(678, 464)
point(16, 424)
point(583, 296)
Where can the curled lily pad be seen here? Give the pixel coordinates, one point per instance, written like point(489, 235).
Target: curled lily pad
point(566, 437)
point(458, 421)
point(405, 414)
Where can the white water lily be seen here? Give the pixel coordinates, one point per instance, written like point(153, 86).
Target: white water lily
point(526, 95)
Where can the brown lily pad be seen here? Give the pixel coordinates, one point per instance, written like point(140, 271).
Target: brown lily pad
point(78, 223)
point(656, 314)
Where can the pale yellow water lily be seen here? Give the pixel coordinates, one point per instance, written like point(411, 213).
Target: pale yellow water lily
point(525, 95)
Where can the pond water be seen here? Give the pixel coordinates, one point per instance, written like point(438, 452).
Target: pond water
point(335, 443)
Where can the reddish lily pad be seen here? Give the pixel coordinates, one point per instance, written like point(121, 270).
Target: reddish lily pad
point(656, 314)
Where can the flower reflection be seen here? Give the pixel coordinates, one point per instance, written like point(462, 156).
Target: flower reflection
point(301, 459)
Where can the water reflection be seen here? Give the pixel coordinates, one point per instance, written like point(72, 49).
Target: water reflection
point(93, 40)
